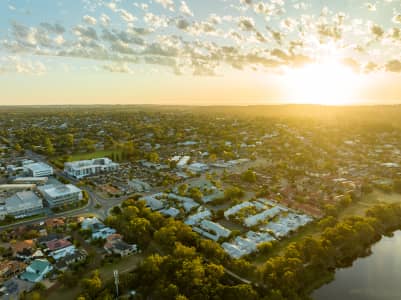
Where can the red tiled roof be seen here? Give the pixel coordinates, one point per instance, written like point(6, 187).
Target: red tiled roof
point(58, 244)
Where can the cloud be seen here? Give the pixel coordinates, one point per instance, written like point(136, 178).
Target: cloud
point(370, 6)
point(53, 28)
point(118, 68)
point(89, 20)
point(105, 20)
point(394, 66)
point(127, 16)
point(240, 34)
point(246, 23)
point(377, 31)
point(167, 4)
point(396, 18)
point(370, 67)
point(184, 8)
point(14, 64)
point(156, 21)
point(85, 32)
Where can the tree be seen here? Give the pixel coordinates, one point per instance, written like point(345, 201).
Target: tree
point(182, 189)
point(92, 285)
point(154, 157)
point(18, 147)
point(49, 148)
point(249, 176)
point(69, 140)
point(195, 194)
point(233, 193)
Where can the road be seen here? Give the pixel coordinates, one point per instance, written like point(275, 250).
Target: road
point(97, 205)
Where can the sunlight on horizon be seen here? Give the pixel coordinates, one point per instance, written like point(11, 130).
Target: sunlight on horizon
point(327, 83)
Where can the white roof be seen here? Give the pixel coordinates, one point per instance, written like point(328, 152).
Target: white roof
point(193, 219)
point(153, 202)
point(38, 166)
point(236, 208)
point(87, 222)
point(172, 212)
point(187, 203)
point(265, 215)
point(183, 161)
point(104, 161)
point(216, 227)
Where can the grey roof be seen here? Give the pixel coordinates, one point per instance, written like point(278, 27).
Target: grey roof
point(22, 201)
point(59, 190)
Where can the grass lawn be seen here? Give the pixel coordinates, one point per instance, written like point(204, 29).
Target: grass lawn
point(376, 197)
point(126, 264)
point(59, 161)
point(97, 154)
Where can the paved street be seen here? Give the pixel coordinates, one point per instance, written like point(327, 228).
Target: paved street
point(91, 208)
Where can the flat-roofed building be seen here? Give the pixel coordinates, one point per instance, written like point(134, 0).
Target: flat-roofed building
point(58, 195)
point(39, 169)
point(30, 180)
point(84, 168)
point(24, 204)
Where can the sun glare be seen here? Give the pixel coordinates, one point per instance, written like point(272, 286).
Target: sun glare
point(326, 83)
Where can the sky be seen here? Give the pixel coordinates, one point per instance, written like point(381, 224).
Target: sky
point(200, 52)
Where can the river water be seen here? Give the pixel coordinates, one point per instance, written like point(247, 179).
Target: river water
point(376, 277)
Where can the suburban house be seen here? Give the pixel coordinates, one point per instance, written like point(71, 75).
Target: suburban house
point(37, 270)
point(78, 256)
point(98, 229)
point(115, 245)
point(60, 248)
point(10, 269)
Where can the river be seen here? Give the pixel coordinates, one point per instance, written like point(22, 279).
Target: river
point(376, 277)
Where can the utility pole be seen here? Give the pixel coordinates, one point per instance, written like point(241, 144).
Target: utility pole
point(116, 281)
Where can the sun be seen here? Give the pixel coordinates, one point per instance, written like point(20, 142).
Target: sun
point(328, 82)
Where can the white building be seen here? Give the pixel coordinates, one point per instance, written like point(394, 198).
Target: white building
point(183, 162)
point(263, 216)
point(23, 204)
point(198, 167)
point(57, 195)
point(84, 168)
point(215, 228)
point(39, 169)
point(30, 180)
point(198, 217)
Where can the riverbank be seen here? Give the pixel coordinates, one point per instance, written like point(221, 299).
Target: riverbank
point(296, 270)
point(373, 277)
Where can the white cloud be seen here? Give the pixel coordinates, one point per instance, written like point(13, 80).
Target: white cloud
point(167, 4)
point(89, 20)
point(396, 19)
point(127, 16)
point(118, 68)
point(59, 40)
point(105, 20)
point(184, 8)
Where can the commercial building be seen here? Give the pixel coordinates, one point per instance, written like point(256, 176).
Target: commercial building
point(58, 195)
point(84, 168)
point(23, 204)
point(30, 180)
point(39, 169)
